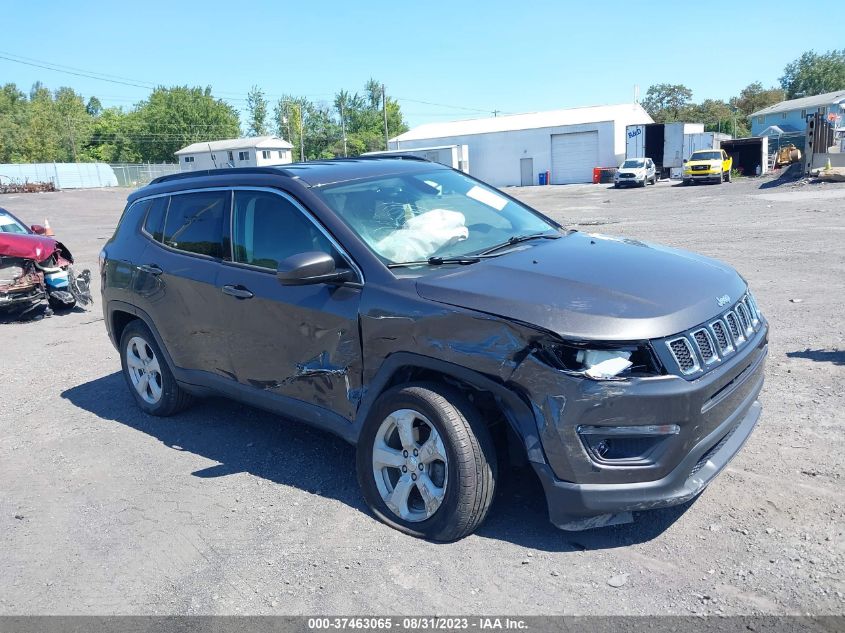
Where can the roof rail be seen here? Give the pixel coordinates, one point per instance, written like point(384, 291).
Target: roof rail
point(389, 154)
point(217, 172)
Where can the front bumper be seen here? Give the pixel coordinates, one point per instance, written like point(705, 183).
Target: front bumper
point(705, 176)
point(717, 409)
point(583, 506)
point(21, 297)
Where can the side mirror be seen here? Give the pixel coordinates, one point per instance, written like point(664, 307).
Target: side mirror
point(685, 160)
point(313, 267)
point(38, 229)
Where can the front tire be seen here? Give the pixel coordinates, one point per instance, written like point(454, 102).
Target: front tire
point(426, 462)
point(728, 177)
point(146, 372)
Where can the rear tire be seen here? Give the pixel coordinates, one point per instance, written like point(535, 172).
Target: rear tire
point(430, 432)
point(147, 374)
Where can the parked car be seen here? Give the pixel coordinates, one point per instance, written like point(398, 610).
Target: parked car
point(441, 326)
point(636, 171)
point(709, 165)
point(34, 267)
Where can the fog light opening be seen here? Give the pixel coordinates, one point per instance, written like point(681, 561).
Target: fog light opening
point(602, 448)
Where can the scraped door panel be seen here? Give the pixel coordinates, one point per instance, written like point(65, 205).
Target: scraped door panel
point(300, 342)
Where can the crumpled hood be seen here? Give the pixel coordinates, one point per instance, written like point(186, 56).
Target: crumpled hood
point(27, 246)
point(592, 287)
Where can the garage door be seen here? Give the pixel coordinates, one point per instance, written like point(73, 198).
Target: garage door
point(574, 156)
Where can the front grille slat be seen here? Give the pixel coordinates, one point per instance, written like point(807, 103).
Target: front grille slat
point(734, 327)
point(707, 345)
point(722, 339)
point(684, 355)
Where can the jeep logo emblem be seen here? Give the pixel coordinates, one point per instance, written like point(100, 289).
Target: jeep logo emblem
point(723, 300)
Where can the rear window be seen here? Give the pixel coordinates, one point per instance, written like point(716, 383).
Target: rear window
point(154, 223)
point(195, 222)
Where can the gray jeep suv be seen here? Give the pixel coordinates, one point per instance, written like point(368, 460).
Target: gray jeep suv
point(439, 325)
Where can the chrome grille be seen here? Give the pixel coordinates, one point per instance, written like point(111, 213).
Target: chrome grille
point(722, 339)
point(705, 346)
point(684, 355)
point(752, 309)
point(734, 327)
point(699, 349)
point(744, 317)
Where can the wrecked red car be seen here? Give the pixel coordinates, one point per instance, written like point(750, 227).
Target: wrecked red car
point(35, 267)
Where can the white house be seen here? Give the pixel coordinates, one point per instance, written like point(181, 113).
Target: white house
point(256, 151)
point(515, 149)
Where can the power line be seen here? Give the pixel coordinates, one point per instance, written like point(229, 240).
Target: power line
point(234, 96)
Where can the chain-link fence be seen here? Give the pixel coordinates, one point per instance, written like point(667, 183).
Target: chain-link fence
point(135, 175)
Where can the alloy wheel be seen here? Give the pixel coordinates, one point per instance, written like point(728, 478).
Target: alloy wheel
point(410, 465)
point(144, 369)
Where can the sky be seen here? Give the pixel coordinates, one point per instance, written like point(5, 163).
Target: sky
point(441, 60)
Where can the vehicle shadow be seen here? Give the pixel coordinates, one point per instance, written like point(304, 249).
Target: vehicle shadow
point(835, 356)
point(244, 439)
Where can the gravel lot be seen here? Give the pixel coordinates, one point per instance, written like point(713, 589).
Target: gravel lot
point(227, 509)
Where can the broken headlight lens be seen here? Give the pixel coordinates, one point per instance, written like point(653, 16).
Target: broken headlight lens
point(603, 363)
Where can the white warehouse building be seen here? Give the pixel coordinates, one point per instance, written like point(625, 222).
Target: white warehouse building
point(255, 151)
point(515, 149)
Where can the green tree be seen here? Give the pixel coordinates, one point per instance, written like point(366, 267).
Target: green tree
point(754, 97)
point(666, 102)
point(113, 137)
point(172, 118)
point(13, 120)
point(94, 107)
point(813, 74)
point(256, 104)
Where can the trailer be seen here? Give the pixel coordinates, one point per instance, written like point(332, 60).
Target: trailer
point(454, 156)
point(669, 144)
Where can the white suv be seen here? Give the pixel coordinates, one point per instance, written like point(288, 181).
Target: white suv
point(636, 171)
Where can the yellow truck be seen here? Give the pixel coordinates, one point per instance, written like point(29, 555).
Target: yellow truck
point(708, 165)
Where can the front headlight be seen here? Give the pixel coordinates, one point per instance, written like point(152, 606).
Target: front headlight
point(597, 363)
point(716, 167)
point(603, 363)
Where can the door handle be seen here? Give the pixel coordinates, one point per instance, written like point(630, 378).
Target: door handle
point(238, 292)
point(151, 269)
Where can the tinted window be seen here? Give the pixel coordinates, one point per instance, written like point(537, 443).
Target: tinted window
point(195, 222)
point(268, 228)
point(155, 216)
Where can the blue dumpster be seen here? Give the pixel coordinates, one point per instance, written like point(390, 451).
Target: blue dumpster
point(542, 178)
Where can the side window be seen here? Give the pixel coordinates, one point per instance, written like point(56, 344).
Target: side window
point(154, 223)
point(195, 222)
point(268, 228)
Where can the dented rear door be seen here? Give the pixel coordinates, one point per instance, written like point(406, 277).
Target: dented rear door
point(299, 342)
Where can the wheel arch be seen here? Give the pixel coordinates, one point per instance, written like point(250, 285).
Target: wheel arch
point(121, 314)
point(403, 367)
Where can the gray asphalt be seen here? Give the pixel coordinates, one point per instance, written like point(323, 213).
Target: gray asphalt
point(227, 509)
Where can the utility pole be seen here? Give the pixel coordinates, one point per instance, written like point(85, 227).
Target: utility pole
point(72, 140)
point(384, 109)
point(343, 126)
point(301, 136)
point(495, 113)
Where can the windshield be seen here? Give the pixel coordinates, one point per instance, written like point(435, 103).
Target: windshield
point(442, 213)
point(8, 224)
point(633, 163)
point(707, 156)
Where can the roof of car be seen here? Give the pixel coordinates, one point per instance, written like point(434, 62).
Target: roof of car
point(312, 174)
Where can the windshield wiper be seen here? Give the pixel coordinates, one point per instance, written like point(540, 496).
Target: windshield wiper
point(439, 261)
point(516, 239)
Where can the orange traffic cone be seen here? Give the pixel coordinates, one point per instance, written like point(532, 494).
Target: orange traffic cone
point(47, 230)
